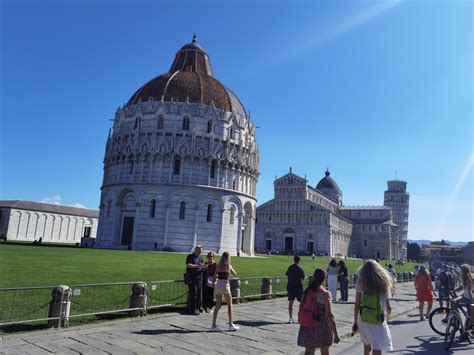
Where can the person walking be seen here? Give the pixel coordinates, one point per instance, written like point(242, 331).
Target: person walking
point(372, 308)
point(424, 291)
point(467, 283)
point(295, 274)
point(208, 282)
point(333, 271)
point(323, 332)
point(223, 270)
point(343, 281)
point(194, 280)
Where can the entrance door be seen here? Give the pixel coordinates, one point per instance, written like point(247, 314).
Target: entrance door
point(378, 255)
point(268, 244)
point(127, 230)
point(289, 243)
point(310, 247)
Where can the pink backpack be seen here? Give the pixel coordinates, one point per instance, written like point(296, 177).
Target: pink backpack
point(308, 311)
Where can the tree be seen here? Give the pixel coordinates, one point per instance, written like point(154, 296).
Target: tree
point(442, 242)
point(413, 251)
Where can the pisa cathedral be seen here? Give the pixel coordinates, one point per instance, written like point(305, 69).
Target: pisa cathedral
point(181, 165)
point(302, 218)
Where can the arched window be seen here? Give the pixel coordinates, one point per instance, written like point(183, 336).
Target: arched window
point(161, 122)
point(152, 208)
point(137, 123)
point(186, 123)
point(232, 215)
point(182, 210)
point(210, 126)
point(213, 169)
point(130, 166)
point(233, 185)
point(176, 166)
point(231, 133)
point(209, 213)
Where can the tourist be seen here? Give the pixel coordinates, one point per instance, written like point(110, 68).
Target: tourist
point(324, 332)
point(208, 282)
point(223, 270)
point(295, 274)
point(467, 283)
point(415, 273)
point(343, 281)
point(194, 280)
point(424, 291)
point(313, 256)
point(372, 308)
point(443, 283)
point(333, 271)
point(393, 276)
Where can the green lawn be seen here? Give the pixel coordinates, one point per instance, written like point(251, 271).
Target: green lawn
point(27, 265)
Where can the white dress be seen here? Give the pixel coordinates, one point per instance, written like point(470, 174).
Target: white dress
point(377, 335)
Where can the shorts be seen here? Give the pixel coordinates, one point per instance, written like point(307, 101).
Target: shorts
point(222, 287)
point(292, 294)
point(443, 293)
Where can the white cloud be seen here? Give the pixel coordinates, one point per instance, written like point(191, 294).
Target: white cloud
point(55, 200)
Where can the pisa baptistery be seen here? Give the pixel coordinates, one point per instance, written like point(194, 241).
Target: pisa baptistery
point(181, 165)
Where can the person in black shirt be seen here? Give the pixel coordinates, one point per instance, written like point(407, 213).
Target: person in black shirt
point(343, 281)
point(194, 271)
point(295, 274)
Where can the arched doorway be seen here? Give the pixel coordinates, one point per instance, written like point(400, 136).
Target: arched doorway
point(128, 219)
point(289, 237)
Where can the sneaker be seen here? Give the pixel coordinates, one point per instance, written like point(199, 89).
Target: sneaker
point(233, 327)
point(291, 321)
point(215, 329)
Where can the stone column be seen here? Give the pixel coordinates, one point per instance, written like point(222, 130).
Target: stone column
point(195, 226)
point(266, 290)
point(59, 306)
point(221, 237)
point(138, 299)
point(135, 225)
point(235, 290)
point(165, 238)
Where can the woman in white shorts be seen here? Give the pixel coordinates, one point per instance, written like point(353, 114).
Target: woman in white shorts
point(222, 288)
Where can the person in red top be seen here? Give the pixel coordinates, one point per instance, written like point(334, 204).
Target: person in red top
point(424, 291)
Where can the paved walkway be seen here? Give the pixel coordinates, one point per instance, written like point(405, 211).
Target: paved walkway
point(263, 331)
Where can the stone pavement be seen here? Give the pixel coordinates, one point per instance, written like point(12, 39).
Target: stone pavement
point(263, 331)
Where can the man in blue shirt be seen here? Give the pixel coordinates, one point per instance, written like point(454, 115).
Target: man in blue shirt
point(194, 271)
point(295, 274)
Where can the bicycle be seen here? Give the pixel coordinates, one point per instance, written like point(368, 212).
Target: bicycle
point(439, 316)
point(455, 323)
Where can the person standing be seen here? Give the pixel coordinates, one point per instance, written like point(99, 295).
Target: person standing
point(467, 283)
point(208, 282)
point(295, 274)
point(424, 291)
point(194, 271)
point(372, 308)
point(223, 270)
point(333, 271)
point(343, 281)
point(324, 332)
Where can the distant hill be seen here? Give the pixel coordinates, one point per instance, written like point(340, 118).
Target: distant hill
point(425, 241)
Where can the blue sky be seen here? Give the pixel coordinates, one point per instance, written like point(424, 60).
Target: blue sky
point(364, 88)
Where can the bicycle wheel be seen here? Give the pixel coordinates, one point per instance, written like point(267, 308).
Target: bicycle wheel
point(451, 329)
point(438, 318)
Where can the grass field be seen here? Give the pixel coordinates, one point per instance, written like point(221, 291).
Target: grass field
point(27, 265)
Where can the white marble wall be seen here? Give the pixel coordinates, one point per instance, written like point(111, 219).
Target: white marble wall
point(51, 227)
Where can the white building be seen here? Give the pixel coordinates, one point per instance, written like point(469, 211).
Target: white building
point(302, 218)
point(30, 221)
point(181, 165)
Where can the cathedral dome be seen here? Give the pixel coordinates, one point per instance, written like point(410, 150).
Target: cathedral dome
point(190, 79)
point(328, 183)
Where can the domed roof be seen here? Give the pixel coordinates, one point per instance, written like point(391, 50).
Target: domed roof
point(327, 182)
point(190, 79)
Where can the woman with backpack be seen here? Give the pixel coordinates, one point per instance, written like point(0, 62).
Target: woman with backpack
point(372, 308)
point(317, 324)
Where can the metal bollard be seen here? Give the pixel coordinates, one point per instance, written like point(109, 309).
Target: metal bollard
point(59, 306)
point(138, 299)
point(266, 290)
point(235, 290)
